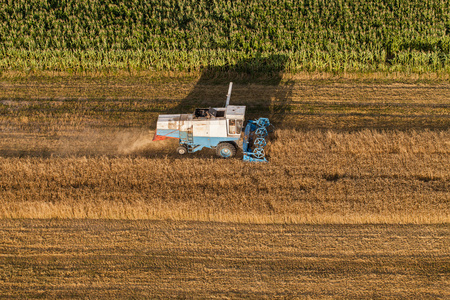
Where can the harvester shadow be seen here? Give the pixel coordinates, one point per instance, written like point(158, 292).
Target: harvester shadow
point(257, 83)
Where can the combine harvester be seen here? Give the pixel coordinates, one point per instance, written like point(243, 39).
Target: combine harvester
point(219, 128)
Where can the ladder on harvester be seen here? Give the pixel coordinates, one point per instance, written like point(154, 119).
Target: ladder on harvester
point(190, 139)
point(254, 141)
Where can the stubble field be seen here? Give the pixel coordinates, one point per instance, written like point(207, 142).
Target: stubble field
point(105, 259)
point(343, 152)
point(371, 153)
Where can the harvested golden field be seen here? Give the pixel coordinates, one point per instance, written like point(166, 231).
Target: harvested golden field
point(354, 202)
point(344, 151)
point(104, 259)
point(58, 104)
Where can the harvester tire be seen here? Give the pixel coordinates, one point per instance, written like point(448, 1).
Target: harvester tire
point(226, 150)
point(182, 150)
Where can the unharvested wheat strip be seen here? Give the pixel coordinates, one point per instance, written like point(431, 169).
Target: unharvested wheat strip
point(313, 176)
point(119, 211)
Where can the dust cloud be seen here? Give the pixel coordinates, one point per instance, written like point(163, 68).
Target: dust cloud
point(140, 142)
point(97, 142)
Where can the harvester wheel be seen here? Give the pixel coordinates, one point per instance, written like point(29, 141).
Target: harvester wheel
point(225, 150)
point(261, 131)
point(182, 150)
point(259, 153)
point(263, 122)
point(260, 142)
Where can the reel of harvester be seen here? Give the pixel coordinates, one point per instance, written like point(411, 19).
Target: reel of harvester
point(254, 141)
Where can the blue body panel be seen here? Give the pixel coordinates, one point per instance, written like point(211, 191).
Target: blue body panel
point(212, 141)
point(198, 142)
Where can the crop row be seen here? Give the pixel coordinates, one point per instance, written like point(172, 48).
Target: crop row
point(331, 35)
point(215, 62)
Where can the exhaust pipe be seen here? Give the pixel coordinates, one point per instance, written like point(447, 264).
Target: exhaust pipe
point(229, 94)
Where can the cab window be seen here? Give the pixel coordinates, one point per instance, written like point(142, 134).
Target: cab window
point(234, 126)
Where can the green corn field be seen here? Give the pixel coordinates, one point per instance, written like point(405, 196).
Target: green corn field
point(243, 35)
